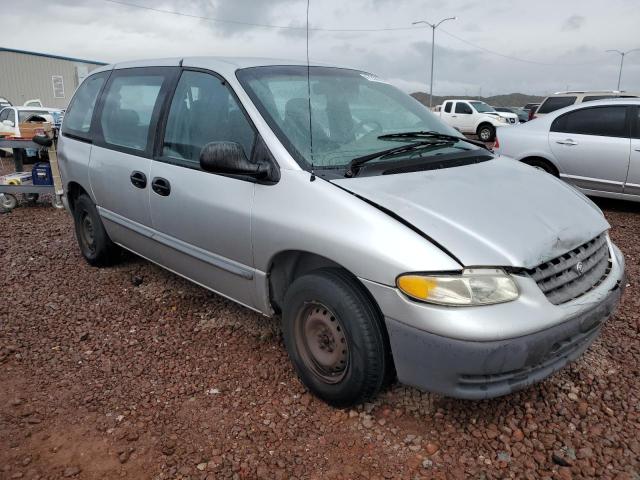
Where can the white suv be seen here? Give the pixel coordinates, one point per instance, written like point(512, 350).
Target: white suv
point(475, 117)
point(563, 99)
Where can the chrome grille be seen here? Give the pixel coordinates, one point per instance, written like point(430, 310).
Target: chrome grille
point(575, 273)
point(512, 120)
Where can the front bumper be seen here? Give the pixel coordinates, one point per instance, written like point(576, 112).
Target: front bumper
point(475, 370)
point(484, 352)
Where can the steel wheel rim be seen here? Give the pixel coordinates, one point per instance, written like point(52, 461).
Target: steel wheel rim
point(86, 229)
point(322, 342)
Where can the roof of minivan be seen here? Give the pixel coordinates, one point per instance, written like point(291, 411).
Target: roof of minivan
point(219, 64)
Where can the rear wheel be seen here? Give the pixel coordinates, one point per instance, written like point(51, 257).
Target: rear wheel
point(487, 133)
point(95, 245)
point(334, 336)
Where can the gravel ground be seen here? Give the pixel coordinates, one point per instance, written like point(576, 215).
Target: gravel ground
point(132, 372)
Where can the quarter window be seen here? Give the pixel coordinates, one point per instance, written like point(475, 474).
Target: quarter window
point(4, 114)
point(447, 107)
point(552, 104)
point(591, 98)
point(636, 122)
point(602, 121)
point(128, 106)
point(203, 110)
point(78, 116)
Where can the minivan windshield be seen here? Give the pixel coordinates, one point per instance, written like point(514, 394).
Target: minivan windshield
point(350, 110)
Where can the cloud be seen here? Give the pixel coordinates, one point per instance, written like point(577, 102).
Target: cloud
point(574, 22)
point(108, 32)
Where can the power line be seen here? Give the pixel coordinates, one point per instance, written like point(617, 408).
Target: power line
point(352, 30)
point(516, 59)
point(262, 25)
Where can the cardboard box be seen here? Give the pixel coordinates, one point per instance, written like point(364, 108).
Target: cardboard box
point(31, 129)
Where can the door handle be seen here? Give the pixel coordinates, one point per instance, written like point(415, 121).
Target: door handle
point(454, 116)
point(637, 149)
point(138, 179)
point(161, 186)
point(568, 141)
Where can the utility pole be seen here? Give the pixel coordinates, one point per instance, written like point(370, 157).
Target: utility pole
point(433, 40)
point(622, 54)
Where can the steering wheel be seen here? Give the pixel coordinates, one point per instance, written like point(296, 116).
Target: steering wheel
point(367, 127)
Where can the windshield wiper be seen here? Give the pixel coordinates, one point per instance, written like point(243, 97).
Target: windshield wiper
point(356, 163)
point(429, 134)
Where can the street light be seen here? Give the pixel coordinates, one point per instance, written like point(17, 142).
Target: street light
point(433, 39)
point(622, 54)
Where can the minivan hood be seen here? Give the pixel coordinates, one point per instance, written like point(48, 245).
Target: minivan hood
point(495, 213)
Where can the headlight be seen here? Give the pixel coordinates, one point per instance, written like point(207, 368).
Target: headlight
point(502, 119)
point(474, 286)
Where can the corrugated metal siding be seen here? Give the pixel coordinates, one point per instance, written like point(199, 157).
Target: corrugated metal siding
point(23, 77)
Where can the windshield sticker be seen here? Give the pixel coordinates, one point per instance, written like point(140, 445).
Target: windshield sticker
point(372, 78)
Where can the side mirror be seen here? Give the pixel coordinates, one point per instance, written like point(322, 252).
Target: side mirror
point(229, 158)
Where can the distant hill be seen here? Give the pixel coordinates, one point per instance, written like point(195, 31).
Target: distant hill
point(508, 100)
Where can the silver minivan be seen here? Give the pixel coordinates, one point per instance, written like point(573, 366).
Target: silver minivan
point(389, 245)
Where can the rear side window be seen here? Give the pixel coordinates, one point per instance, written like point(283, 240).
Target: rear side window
point(4, 114)
point(591, 98)
point(463, 108)
point(77, 119)
point(447, 107)
point(552, 104)
point(129, 103)
point(204, 110)
point(602, 121)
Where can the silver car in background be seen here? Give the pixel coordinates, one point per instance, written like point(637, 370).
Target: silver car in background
point(595, 146)
point(389, 245)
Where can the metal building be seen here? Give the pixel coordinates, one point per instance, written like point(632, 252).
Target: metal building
point(50, 78)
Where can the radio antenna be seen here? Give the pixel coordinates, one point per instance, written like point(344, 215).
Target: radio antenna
point(313, 176)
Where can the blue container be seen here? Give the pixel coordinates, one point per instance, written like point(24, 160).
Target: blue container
point(41, 174)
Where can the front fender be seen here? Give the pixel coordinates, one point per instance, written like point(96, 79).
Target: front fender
point(330, 222)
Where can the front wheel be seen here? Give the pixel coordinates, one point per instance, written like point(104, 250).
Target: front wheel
point(335, 339)
point(487, 133)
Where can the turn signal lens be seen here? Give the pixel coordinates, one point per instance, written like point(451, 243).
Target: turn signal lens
point(417, 286)
point(477, 286)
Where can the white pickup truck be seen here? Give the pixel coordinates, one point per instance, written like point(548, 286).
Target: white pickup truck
point(475, 117)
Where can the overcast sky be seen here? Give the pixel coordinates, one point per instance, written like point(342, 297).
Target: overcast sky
point(562, 42)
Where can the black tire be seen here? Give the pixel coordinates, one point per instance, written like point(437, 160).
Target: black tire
point(32, 198)
point(486, 133)
point(95, 245)
point(351, 320)
point(541, 165)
